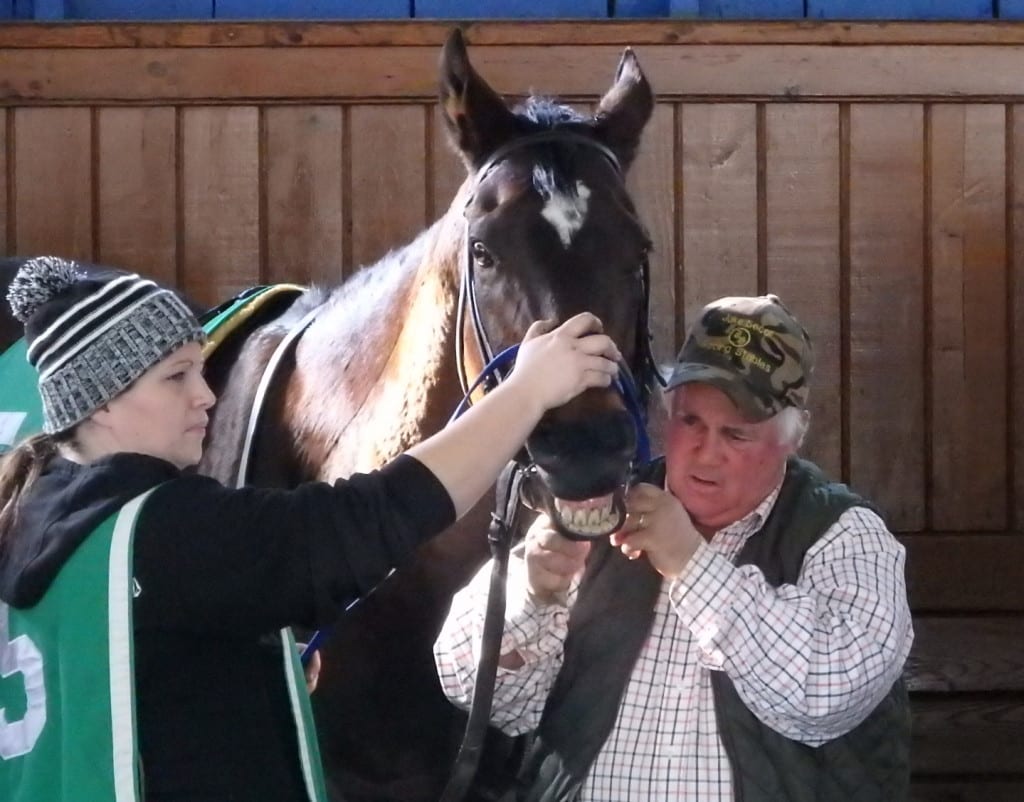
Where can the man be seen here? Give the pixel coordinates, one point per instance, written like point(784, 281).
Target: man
point(751, 645)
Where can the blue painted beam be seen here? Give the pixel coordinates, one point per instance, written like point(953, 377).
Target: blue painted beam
point(1011, 9)
point(313, 9)
point(902, 9)
point(509, 9)
point(641, 8)
point(740, 9)
point(48, 10)
point(133, 9)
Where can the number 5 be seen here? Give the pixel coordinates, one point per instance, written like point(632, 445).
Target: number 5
point(21, 655)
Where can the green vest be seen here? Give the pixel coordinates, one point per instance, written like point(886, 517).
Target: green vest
point(67, 696)
point(609, 624)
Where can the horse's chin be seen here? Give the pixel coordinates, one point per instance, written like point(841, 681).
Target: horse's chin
point(591, 518)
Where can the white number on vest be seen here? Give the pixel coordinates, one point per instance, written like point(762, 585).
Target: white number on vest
point(21, 656)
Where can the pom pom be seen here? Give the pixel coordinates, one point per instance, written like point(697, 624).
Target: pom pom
point(37, 281)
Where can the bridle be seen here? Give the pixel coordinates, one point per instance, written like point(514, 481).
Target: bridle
point(635, 393)
point(504, 519)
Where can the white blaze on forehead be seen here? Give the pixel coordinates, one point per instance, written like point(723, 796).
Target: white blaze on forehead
point(567, 212)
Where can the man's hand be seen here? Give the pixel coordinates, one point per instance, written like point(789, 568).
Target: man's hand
point(658, 525)
point(552, 561)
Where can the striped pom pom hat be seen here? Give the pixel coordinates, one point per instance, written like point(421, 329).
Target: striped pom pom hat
point(93, 331)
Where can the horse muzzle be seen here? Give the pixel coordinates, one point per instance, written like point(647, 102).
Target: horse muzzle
point(580, 473)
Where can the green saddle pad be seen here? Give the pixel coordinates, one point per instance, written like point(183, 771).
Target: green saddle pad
point(21, 410)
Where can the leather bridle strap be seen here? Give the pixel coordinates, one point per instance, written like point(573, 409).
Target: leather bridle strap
point(499, 537)
point(467, 280)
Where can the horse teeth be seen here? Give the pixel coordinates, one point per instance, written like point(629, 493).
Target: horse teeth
point(592, 520)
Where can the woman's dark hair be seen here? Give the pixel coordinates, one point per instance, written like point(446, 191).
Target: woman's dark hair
point(19, 469)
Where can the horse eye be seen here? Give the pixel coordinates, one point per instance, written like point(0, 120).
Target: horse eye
point(481, 256)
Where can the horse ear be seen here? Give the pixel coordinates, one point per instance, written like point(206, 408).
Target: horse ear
point(477, 119)
point(625, 109)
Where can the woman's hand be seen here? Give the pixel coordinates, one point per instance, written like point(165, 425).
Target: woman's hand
point(311, 669)
point(557, 364)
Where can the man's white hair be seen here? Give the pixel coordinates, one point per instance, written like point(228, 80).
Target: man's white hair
point(791, 426)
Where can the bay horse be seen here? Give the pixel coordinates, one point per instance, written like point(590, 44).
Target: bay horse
point(542, 227)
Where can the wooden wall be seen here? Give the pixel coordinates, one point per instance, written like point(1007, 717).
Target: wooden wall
point(866, 173)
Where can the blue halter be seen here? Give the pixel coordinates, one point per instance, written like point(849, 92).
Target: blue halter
point(624, 383)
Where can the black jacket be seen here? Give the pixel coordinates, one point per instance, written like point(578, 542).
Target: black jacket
point(218, 570)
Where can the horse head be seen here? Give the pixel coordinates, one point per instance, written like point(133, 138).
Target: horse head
point(550, 231)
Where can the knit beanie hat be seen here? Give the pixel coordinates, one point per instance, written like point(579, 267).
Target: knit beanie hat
point(90, 334)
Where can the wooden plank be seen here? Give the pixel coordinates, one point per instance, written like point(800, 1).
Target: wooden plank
point(968, 307)
point(6, 227)
point(718, 225)
point(447, 170)
point(965, 655)
point(137, 201)
point(220, 175)
point(973, 736)
point(1015, 350)
point(976, 790)
point(388, 193)
point(510, 32)
point(802, 252)
point(53, 182)
point(650, 184)
point(969, 571)
point(304, 222)
point(886, 388)
point(409, 73)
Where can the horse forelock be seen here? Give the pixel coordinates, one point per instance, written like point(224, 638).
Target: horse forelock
point(546, 112)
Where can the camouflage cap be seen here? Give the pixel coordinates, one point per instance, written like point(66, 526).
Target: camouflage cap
point(753, 350)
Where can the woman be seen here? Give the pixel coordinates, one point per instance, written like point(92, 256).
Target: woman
point(210, 573)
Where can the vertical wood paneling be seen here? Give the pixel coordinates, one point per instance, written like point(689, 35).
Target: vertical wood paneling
point(137, 204)
point(220, 195)
point(5, 221)
point(447, 169)
point(968, 342)
point(1015, 354)
point(650, 183)
point(802, 249)
point(719, 219)
point(53, 182)
point(388, 194)
point(304, 224)
point(887, 405)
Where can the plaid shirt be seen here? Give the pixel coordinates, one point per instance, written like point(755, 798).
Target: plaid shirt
point(811, 660)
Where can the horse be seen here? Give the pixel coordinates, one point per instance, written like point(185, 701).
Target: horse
point(543, 227)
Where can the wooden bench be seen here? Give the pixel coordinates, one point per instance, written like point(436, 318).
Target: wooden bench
point(966, 670)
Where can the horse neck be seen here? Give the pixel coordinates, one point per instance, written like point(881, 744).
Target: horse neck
point(382, 352)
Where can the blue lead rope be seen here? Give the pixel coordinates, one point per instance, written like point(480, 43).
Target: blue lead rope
point(623, 383)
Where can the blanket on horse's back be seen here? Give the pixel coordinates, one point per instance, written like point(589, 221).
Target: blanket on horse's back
point(21, 412)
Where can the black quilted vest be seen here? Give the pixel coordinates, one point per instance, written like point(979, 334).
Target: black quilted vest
point(609, 624)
